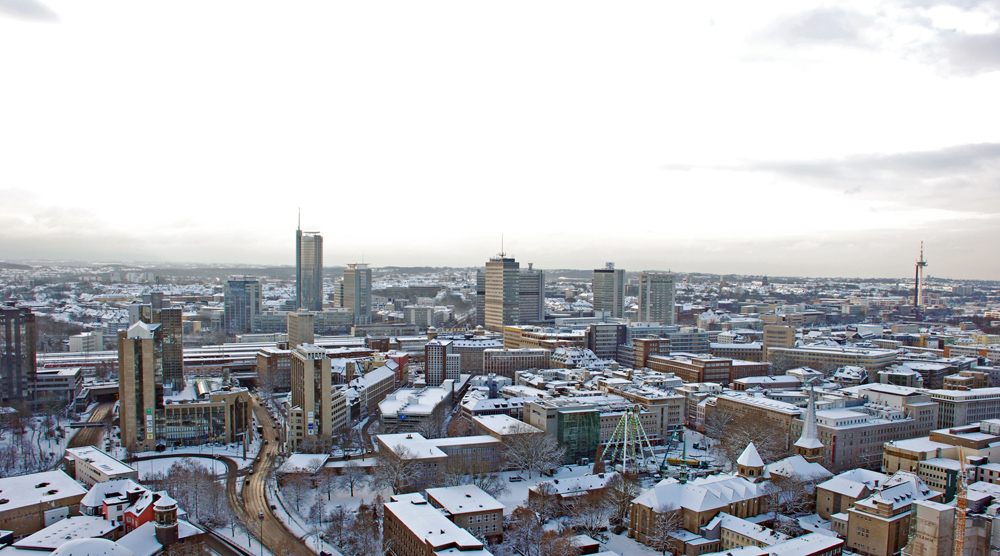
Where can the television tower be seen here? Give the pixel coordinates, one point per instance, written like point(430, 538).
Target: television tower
point(919, 282)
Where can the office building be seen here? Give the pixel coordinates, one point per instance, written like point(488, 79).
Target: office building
point(308, 270)
point(242, 303)
point(91, 466)
point(140, 385)
point(505, 362)
point(503, 286)
point(470, 508)
point(481, 298)
point(301, 328)
point(33, 501)
point(441, 363)
point(18, 338)
point(872, 359)
point(171, 320)
point(358, 292)
point(609, 291)
point(604, 339)
point(957, 408)
point(531, 295)
point(311, 402)
point(656, 298)
point(412, 527)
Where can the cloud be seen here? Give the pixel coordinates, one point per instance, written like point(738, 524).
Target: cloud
point(838, 26)
point(29, 10)
point(964, 178)
point(968, 53)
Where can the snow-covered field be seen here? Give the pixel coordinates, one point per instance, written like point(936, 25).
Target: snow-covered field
point(233, 451)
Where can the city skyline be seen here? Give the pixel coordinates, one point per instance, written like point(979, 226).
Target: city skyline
point(784, 138)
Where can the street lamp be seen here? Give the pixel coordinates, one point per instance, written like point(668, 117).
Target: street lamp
point(260, 516)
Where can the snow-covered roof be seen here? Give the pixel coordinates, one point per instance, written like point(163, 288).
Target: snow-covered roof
point(463, 499)
point(142, 540)
point(432, 527)
point(751, 530)
point(853, 482)
point(114, 489)
point(101, 461)
point(701, 494)
point(304, 463)
point(29, 490)
point(504, 424)
point(810, 543)
point(63, 531)
point(577, 486)
point(750, 457)
point(92, 547)
point(797, 467)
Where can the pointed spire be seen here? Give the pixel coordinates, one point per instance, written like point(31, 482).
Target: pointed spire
point(810, 436)
point(750, 457)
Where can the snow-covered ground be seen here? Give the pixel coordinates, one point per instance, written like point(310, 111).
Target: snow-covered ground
point(295, 523)
point(625, 546)
point(250, 543)
point(518, 491)
point(149, 467)
point(34, 450)
point(233, 451)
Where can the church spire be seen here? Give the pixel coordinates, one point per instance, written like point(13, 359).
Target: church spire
point(809, 445)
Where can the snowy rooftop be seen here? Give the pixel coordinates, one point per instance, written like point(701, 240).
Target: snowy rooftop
point(431, 526)
point(101, 461)
point(797, 467)
point(142, 540)
point(922, 444)
point(853, 482)
point(574, 486)
point(756, 532)
point(29, 490)
point(63, 531)
point(504, 424)
point(413, 401)
point(422, 448)
point(463, 499)
point(114, 489)
point(811, 543)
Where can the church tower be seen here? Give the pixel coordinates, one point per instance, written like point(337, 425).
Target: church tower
point(750, 466)
point(809, 445)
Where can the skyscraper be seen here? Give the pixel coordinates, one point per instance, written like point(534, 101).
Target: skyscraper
point(531, 296)
point(481, 298)
point(312, 399)
point(18, 337)
point(609, 291)
point(503, 287)
point(308, 270)
point(242, 303)
point(152, 311)
point(140, 385)
point(358, 292)
point(656, 298)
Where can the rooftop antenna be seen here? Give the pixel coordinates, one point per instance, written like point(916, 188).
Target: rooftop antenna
point(300, 218)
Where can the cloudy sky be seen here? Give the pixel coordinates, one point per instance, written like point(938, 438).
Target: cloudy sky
point(738, 137)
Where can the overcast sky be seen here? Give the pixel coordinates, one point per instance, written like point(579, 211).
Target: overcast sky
point(735, 137)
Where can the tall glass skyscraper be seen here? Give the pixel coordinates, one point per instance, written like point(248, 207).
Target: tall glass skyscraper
point(308, 270)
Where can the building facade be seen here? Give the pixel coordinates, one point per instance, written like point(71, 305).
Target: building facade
point(503, 286)
point(18, 338)
point(308, 270)
point(656, 298)
point(608, 287)
point(358, 292)
point(242, 303)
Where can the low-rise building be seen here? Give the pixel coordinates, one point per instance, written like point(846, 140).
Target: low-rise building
point(470, 508)
point(412, 527)
point(30, 502)
point(90, 466)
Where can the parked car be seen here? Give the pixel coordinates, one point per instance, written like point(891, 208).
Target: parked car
point(516, 479)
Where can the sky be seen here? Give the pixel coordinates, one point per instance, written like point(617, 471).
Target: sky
point(778, 138)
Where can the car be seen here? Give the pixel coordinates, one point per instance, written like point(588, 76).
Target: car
point(266, 441)
point(247, 483)
point(516, 479)
point(251, 470)
point(273, 507)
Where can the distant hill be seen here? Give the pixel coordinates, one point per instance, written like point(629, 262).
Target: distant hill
point(13, 266)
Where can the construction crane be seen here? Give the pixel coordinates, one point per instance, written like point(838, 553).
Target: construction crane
point(961, 507)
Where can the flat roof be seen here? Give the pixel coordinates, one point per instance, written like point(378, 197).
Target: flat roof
point(28, 490)
point(101, 461)
point(463, 499)
point(65, 530)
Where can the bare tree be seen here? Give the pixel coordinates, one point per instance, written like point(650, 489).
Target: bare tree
point(770, 440)
point(621, 490)
point(545, 503)
point(526, 537)
point(337, 526)
point(466, 471)
point(398, 471)
point(435, 425)
point(353, 476)
point(328, 482)
point(532, 451)
point(591, 514)
point(666, 520)
point(297, 487)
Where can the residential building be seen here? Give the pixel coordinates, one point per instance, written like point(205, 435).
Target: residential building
point(609, 291)
point(358, 292)
point(503, 282)
point(140, 385)
point(308, 270)
point(879, 524)
point(242, 303)
point(656, 298)
point(18, 341)
point(531, 296)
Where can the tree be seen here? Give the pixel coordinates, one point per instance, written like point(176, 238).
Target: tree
point(545, 504)
point(532, 451)
point(353, 476)
point(328, 482)
point(526, 537)
point(592, 512)
point(770, 439)
point(337, 526)
point(435, 425)
point(397, 470)
point(621, 490)
point(789, 496)
point(297, 487)
point(781, 362)
point(666, 520)
point(467, 471)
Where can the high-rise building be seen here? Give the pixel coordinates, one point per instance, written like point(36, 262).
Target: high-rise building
point(609, 291)
point(503, 285)
point(152, 311)
point(140, 385)
point(242, 304)
point(312, 409)
point(656, 298)
point(480, 298)
point(308, 270)
point(531, 297)
point(358, 292)
point(18, 337)
point(442, 363)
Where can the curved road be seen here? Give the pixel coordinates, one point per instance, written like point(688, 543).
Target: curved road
point(251, 502)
